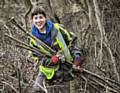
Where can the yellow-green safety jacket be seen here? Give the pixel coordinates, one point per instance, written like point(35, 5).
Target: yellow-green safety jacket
point(49, 72)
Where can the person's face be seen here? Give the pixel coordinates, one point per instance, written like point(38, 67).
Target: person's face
point(39, 21)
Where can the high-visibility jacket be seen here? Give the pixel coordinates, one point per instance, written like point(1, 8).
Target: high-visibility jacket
point(59, 40)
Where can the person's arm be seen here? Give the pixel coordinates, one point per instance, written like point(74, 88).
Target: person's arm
point(76, 51)
point(70, 39)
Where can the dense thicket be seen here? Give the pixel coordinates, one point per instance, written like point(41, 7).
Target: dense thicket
point(97, 24)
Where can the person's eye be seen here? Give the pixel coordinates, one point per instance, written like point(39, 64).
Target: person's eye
point(35, 17)
point(41, 17)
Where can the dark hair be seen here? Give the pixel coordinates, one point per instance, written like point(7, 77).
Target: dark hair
point(38, 10)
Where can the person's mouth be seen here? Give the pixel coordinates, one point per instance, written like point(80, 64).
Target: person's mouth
point(39, 24)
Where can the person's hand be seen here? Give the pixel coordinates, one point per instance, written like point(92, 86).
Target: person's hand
point(55, 59)
point(77, 62)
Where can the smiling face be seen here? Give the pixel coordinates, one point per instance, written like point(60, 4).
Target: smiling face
point(39, 21)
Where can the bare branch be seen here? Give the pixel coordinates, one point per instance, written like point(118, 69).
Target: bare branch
point(9, 86)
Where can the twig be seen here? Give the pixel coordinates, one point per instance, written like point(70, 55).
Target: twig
point(85, 83)
point(8, 29)
point(16, 79)
point(18, 74)
point(28, 46)
point(9, 86)
point(42, 87)
point(98, 76)
point(93, 86)
point(104, 85)
point(105, 80)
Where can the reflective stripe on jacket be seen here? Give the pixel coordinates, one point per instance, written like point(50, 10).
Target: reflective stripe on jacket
point(61, 42)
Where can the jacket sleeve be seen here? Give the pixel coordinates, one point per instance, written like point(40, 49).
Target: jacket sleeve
point(75, 50)
point(71, 40)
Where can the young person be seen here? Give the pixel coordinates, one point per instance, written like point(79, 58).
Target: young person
point(56, 37)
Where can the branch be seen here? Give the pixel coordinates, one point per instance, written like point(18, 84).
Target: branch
point(100, 77)
point(103, 85)
point(19, 83)
point(112, 85)
point(28, 47)
point(9, 86)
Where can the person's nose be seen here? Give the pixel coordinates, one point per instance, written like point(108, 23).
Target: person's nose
point(38, 20)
